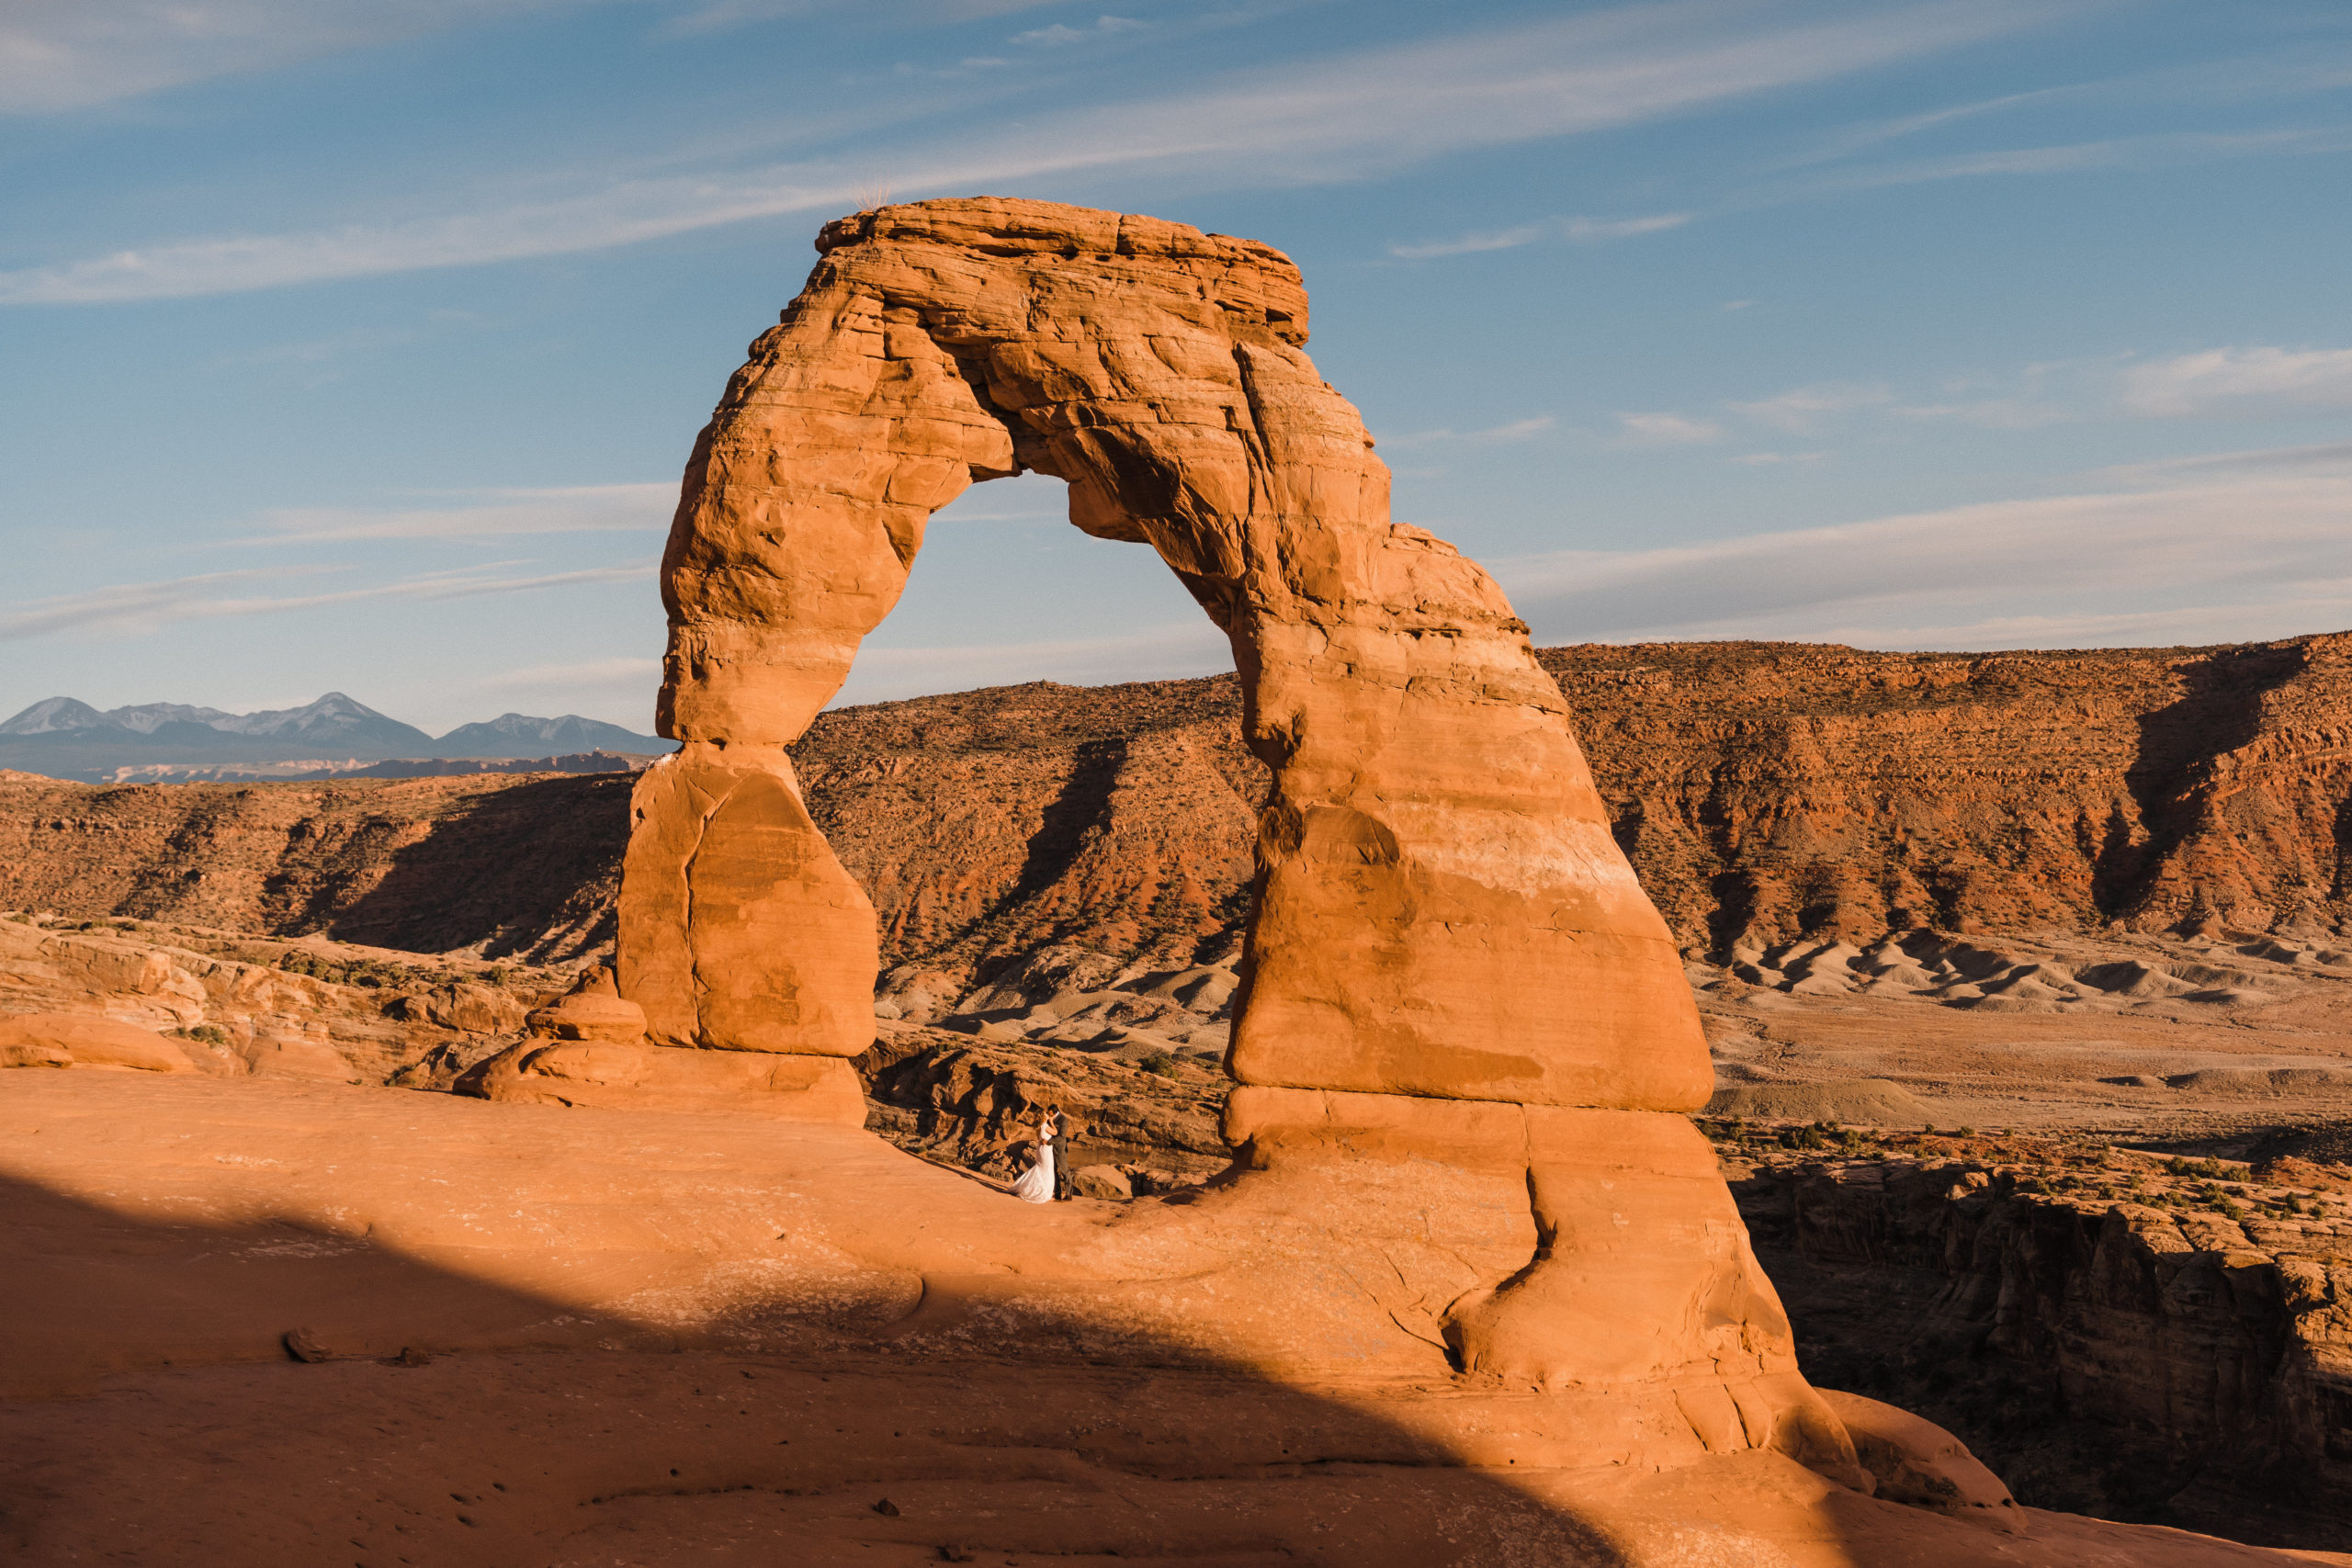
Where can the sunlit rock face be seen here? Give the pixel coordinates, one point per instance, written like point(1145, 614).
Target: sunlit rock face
point(1441, 911)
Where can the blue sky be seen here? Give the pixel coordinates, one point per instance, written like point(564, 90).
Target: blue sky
point(359, 344)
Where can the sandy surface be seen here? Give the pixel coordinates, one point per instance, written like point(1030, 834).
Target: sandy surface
point(618, 1357)
point(2253, 1037)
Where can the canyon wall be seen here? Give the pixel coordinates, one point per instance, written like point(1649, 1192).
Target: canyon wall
point(1766, 790)
point(2111, 1339)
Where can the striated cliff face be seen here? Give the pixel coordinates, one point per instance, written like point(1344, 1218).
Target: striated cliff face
point(1764, 792)
point(2109, 1337)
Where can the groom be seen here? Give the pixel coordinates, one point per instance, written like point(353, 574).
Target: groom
point(1057, 1128)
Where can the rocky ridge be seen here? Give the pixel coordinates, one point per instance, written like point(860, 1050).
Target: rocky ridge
point(1777, 801)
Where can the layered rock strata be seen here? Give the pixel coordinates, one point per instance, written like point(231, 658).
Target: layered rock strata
point(2123, 1334)
point(1774, 798)
point(236, 1006)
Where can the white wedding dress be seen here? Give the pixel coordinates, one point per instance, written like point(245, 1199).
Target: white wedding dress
point(1036, 1185)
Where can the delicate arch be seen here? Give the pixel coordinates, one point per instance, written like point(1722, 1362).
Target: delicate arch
point(1441, 909)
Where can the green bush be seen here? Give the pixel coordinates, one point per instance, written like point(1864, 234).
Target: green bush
point(1159, 1064)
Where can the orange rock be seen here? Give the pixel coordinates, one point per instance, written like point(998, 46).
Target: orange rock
point(589, 1015)
point(595, 1072)
point(59, 1039)
point(1447, 952)
point(1443, 911)
point(1917, 1462)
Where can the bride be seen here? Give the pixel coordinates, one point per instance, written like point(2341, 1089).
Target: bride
point(1036, 1183)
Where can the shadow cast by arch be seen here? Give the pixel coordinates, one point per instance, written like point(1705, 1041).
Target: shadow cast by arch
point(155, 1418)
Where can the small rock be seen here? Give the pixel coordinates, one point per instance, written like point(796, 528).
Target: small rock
point(304, 1345)
point(887, 1508)
point(1102, 1182)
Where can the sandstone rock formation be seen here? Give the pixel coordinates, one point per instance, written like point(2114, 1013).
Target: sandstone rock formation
point(1435, 868)
point(239, 1005)
point(78, 1040)
point(501, 866)
point(1767, 791)
point(592, 1334)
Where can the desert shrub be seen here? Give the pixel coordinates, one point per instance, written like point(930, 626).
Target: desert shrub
point(1159, 1064)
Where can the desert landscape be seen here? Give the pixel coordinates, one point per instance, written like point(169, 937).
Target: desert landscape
point(1635, 1104)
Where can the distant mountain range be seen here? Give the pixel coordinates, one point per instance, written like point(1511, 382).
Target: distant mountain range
point(67, 740)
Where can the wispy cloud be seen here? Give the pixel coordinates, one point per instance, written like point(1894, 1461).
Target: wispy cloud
point(587, 672)
point(725, 16)
point(1577, 231)
point(579, 509)
point(1993, 413)
point(2224, 383)
point(2241, 381)
point(1666, 430)
point(1800, 410)
point(1344, 117)
point(2165, 151)
point(1860, 138)
point(2262, 557)
point(1061, 34)
point(884, 673)
point(2329, 457)
point(68, 54)
point(139, 607)
point(1514, 429)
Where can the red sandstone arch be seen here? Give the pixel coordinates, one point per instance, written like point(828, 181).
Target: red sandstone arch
point(1441, 911)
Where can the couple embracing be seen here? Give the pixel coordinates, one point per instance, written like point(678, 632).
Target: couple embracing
point(1045, 1173)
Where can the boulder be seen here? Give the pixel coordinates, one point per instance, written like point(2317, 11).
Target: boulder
point(59, 1040)
point(590, 1015)
point(1914, 1461)
point(1102, 1182)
